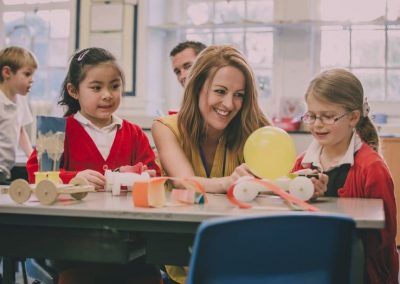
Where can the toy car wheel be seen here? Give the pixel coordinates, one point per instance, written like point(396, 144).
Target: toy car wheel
point(79, 181)
point(302, 188)
point(20, 191)
point(79, 195)
point(46, 192)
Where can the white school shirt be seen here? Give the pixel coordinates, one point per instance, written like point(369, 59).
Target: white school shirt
point(312, 155)
point(13, 116)
point(103, 137)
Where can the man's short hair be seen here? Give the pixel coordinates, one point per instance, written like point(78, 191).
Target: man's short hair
point(195, 45)
point(16, 58)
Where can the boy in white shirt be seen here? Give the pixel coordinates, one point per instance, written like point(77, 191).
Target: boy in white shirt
point(17, 66)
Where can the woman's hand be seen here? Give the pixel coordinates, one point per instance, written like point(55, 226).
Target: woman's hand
point(94, 178)
point(240, 171)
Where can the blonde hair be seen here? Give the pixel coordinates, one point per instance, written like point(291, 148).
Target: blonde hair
point(190, 121)
point(340, 86)
point(16, 58)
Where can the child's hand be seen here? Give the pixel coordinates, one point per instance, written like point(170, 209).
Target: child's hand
point(320, 185)
point(152, 173)
point(137, 169)
point(94, 178)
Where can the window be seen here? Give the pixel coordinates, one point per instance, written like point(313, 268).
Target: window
point(240, 23)
point(42, 26)
point(286, 42)
point(367, 41)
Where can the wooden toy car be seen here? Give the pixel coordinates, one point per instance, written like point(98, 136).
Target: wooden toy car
point(47, 191)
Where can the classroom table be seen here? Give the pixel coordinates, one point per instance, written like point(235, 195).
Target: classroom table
point(106, 228)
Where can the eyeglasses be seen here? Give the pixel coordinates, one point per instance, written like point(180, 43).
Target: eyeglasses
point(309, 118)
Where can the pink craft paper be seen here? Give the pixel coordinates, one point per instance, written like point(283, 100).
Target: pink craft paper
point(183, 195)
point(151, 193)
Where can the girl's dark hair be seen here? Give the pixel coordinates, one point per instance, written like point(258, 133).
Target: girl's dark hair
point(80, 63)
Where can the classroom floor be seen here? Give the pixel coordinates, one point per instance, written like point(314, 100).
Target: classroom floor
point(19, 279)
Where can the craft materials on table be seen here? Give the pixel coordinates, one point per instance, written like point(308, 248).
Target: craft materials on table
point(48, 185)
point(47, 191)
point(246, 189)
point(270, 155)
point(50, 142)
point(153, 193)
point(124, 176)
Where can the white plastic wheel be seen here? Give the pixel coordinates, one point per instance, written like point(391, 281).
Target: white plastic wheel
point(246, 190)
point(46, 192)
point(302, 188)
point(19, 191)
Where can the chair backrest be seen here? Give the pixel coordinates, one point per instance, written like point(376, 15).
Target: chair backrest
point(296, 248)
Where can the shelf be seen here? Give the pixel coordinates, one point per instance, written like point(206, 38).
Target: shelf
point(210, 25)
point(275, 24)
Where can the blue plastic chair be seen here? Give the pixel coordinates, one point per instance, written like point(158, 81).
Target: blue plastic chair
point(273, 249)
point(41, 272)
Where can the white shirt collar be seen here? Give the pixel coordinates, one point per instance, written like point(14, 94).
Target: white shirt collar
point(312, 155)
point(5, 100)
point(116, 121)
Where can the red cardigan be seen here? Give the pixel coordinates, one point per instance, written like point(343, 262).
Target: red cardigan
point(369, 177)
point(130, 147)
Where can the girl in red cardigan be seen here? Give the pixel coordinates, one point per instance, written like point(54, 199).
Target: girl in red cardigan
point(345, 147)
point(94, 138)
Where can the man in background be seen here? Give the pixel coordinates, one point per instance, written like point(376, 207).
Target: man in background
point(182, 57)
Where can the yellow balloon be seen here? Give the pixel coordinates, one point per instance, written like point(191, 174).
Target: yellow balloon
point(270, 152)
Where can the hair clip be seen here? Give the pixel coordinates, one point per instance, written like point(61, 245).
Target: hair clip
point(80, 57)
point(366, 107)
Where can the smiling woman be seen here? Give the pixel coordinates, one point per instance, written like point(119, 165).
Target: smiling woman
point(205, 140)
point(219, 111)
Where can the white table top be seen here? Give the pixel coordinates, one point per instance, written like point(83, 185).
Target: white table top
point(367, 213)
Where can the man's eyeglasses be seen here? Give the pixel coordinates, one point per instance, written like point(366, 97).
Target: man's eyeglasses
point(310, 118)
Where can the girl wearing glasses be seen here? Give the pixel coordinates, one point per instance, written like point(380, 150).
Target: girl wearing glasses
point(346, 148)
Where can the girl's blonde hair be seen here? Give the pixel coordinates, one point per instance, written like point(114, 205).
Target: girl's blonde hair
point(190, 121)
point(340, 86)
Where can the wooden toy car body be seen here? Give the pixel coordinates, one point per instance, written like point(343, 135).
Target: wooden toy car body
point(47, 191)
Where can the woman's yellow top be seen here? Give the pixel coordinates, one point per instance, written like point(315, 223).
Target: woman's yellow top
point(224, 163)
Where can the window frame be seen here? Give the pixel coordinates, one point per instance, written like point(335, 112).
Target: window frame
point(385, 26)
